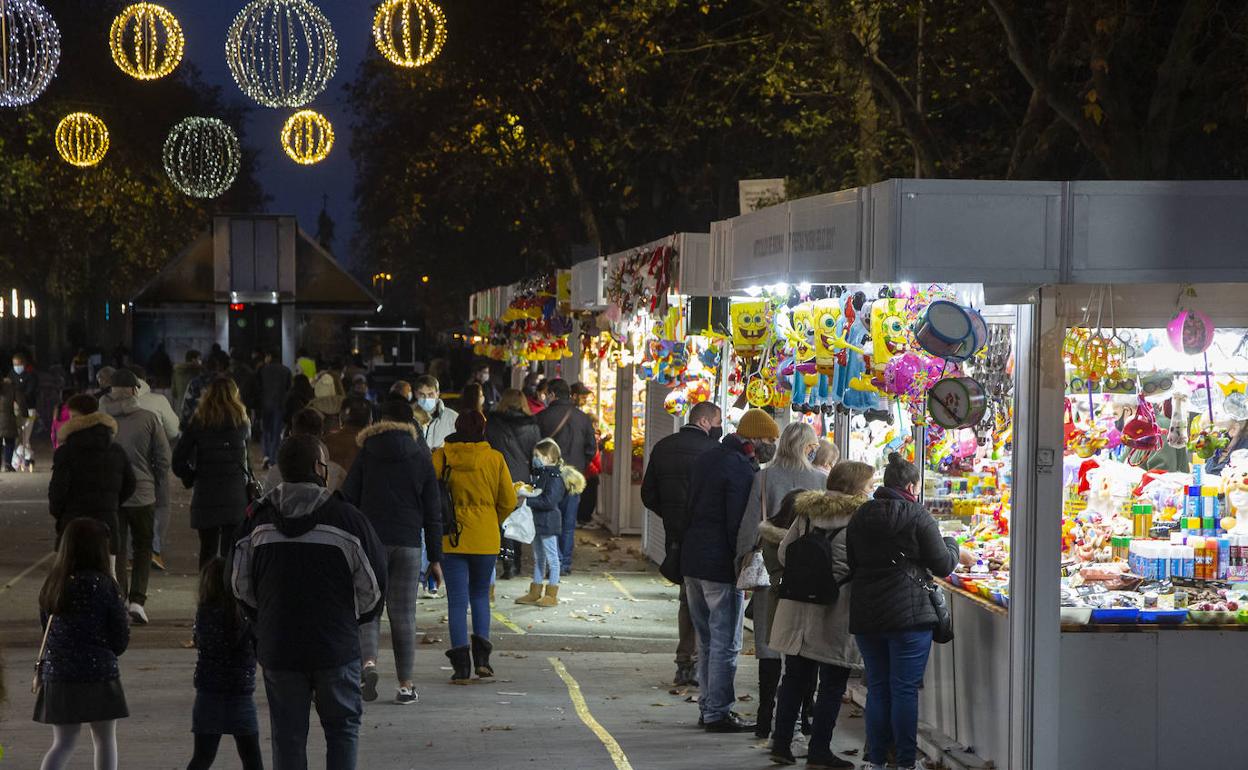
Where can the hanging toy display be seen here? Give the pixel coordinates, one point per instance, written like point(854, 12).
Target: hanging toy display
point(949, 331)
point(889, 331)
point(957, 402)
point(749, 327)
point(1190, 331)
point(1141, 435)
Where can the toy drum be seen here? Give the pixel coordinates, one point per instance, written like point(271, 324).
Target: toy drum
point(957, 402)
point(943, 329)
point(978, 338)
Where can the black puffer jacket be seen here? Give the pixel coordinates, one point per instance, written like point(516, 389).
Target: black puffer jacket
point(213, 462)
point(665, 488)
point(513, 434)
point(84, 641)
point(891, 528)
point(91, 475)
point(392, 483)
point(575, 435)
point(719, 491)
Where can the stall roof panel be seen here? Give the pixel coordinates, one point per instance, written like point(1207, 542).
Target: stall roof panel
point(759, 246)
point(825, 237)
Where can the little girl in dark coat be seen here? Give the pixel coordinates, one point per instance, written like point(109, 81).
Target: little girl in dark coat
point(556, 481)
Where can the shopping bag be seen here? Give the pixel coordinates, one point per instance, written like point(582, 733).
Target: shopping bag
point(754, 575)
point(519, 525)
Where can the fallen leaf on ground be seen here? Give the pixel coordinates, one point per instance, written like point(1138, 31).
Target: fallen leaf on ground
point(503, 728)
point(746, 698)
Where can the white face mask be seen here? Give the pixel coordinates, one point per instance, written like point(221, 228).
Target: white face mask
point(428, 404)
point(18, 368)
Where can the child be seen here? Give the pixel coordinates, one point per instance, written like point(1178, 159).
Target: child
point(225, 674)
point(86, 628)
point(556, 481)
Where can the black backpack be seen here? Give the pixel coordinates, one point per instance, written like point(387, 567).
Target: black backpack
point(450, 524)
point(808, 561)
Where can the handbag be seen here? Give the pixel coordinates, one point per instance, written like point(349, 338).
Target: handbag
point(36, 684)
point(255, 490)
point(943, 632)
point(754, 575)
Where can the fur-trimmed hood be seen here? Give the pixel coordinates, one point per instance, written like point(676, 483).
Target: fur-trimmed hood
point(385, 426)
point(827, 510)
point(573, 479)
point(85, 421)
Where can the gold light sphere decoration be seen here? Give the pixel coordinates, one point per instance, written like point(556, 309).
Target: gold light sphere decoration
point(307, 137)
point(409, 33)
point(146, 41)
point(81, 139)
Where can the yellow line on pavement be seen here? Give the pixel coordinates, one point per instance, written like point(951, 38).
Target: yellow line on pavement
point(506, 621)
point(27, 571)
point(582, 711)
point(620, 587)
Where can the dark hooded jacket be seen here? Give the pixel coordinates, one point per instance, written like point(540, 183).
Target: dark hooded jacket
point(887, 535)
point(91, 475)
point(392, 482)
point(513, 434)
point(310, 569)
point(547, 507)
point(665, 487)
point(719, 491)
point(572, 430)
point(214, 463)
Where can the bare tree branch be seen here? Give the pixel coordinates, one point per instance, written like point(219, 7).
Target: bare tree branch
point(1174, 75)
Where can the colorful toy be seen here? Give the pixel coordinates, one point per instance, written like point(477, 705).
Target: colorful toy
point(888, 331)
point(749, 327)
point(1141, 435)
point(1190, 332)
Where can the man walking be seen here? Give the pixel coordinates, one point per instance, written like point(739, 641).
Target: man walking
point(573, 431)
point(142, 435)
point(275, 380)
point(169, 422)
point(718, 493)
point(310, 569)
point(665, 490)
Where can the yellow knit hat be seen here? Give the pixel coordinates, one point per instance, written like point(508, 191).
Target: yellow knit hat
point(757, 424)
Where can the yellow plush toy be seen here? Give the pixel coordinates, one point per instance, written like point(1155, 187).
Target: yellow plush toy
point(749, 327)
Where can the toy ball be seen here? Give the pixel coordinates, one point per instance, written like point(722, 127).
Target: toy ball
point(1190, 332)
point(1228, 523)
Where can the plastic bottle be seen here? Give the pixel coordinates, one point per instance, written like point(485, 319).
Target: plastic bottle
point(1189, 562)
point(1224, 557)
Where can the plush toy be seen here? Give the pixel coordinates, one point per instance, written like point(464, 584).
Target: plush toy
point(749, 327)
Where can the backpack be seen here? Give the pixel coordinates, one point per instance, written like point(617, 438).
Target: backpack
point(808, 561)
point(450, 524)
point(323, 387)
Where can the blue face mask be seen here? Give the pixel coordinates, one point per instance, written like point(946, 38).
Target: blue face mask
point(18, 368)
point(538, 464)
point(428, 404)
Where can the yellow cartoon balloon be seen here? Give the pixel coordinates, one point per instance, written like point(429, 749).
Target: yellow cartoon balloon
point(888, 331)
point(826, 317)
point(749, 327)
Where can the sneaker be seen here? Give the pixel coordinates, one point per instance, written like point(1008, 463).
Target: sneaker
point(405, 696)
point(368, 683)
point(158, 563)
point(137, 614)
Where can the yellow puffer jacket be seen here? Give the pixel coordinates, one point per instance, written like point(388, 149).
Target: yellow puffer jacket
point(482, 491)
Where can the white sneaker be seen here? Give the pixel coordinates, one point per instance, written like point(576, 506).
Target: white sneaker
point(405, 696)
point(138, 615)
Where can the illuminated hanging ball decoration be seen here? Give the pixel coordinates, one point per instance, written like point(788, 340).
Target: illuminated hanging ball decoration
point(202, 156)
point(410, 33)
point(30, 49)
point(307, 137)
point(82, 139)
point(146, 41)
point(282, 53)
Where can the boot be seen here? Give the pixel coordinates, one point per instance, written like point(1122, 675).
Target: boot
point(551, 599)
point(508, 570)
point(461, 662)
point(768, 682)
point(481, 649)
point(533, 596)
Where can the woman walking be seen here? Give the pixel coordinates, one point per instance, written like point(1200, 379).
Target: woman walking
point(211, 459)
point(894, 547)
point(791, 469)
point(483, 497)
point(815, 638)
point(91, 474)
point(85, 629)
point(513, 432)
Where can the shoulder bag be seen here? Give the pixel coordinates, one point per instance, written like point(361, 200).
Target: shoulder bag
point(753, 575)
point(36, 684)
point(450, 523)
point(943, 632)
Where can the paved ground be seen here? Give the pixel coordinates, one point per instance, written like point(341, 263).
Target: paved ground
point(611, 639)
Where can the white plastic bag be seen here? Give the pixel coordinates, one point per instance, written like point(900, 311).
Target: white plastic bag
point(519, 525)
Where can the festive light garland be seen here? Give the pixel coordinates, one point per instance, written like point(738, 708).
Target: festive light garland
point(282, 53)
point(395, 16)
point(202, 156)
point(146, 41)
point(307, 137)
point(30, 49)
point(81, 139)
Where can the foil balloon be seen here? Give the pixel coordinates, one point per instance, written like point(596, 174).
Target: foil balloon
point(1190, 332)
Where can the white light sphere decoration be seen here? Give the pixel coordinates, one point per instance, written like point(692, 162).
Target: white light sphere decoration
point(282, 53)
point(30, 49)
point(202, 156)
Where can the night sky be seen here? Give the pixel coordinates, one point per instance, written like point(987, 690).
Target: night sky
point(292, 188)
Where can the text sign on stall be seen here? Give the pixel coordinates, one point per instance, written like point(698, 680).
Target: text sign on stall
point(825, 238)
point(760, 247)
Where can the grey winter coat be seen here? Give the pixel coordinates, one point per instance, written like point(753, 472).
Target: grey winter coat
point(777, 482)
point(142, 434)
point(819, 632)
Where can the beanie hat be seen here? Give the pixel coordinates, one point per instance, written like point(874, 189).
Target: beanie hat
point(471, 425)
point(757, 424)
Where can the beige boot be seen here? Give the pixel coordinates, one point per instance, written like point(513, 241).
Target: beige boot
point(533, 596)
point(551, 599)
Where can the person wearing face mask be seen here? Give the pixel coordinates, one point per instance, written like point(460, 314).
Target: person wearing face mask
point(554, 480)
point(790, 469)
point(27, 381)
point(401, 390)
point(665, 490)
point(489, 391)
point(441, 417)
point(532, 381)
point(512, 431)
point(719, 492)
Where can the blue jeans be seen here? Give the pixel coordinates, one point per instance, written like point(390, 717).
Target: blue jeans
point(336, 694)
point(895, 662)
point(468, 582)
point(567, 537)
point(799, 675)
point(272, 422)
point(546, 559)
point(717, 610)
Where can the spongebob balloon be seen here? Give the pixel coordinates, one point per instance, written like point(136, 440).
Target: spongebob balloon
point(888, 331)
point(749, 327)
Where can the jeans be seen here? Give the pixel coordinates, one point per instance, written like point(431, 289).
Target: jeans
point(546, 559)
point(136, 522)
point(717, 610)
point(339, 704)
point(468, 582)
point(402, 583)
point(895, 662)
point(799, 675)
point(567, 537)
point(163, 510)
point(273, 421)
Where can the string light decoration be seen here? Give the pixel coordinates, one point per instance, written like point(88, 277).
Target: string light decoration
point(146, 41)
point(81, 139)
point(30, 50)
point(282, 53)
point(202, 156)
point(392, 31)
point(307, 137)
